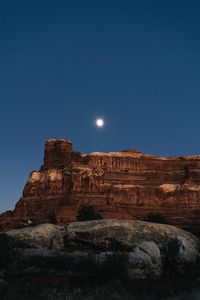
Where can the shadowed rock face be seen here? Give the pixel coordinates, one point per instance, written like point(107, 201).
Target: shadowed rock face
point(146, 248)
point(120, 185)
point(47, 261)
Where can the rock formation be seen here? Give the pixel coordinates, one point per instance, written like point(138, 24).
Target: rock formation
point(55, 258)
point(118, 185)
point(148, 246)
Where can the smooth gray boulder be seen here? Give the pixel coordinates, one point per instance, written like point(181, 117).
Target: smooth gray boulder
point(145, 261)
point(146, 247)
point(42, 236)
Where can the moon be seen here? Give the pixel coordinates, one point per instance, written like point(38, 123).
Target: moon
point(99, 122)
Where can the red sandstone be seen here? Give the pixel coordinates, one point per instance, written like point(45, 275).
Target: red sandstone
point(122, 185)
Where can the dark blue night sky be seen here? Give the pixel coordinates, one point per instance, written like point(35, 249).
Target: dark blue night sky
point(64, 63)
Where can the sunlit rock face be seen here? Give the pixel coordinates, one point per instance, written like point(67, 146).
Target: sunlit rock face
point(122, 185)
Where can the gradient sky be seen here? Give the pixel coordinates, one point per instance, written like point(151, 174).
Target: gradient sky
point(64, 63)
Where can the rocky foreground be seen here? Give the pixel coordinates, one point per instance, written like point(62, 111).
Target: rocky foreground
point(47, 261)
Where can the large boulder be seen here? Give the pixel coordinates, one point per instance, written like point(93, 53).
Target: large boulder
point(48, 261)
point(146, 248)
point(38, 237)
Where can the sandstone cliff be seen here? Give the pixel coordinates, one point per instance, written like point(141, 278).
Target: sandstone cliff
point(120, 185)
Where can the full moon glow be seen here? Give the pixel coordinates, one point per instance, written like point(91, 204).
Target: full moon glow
point(99, 122)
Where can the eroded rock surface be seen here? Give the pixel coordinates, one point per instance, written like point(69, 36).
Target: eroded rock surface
point(118, 185)
point(144, 248)
point(48, 261)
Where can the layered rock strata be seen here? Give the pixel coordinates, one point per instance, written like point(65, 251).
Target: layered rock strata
point(120, 185)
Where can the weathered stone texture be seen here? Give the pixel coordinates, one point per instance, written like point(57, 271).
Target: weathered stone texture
point(122, 185)
point(148, 247)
